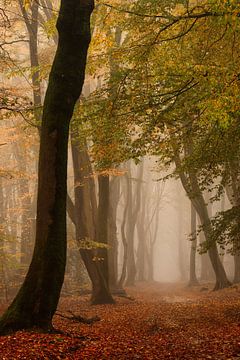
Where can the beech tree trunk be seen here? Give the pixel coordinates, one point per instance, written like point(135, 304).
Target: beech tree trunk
point(82, 215)
point(220, 274)
point(123, 235)
point(233, 194)
point(207, 273)
point(112, 233)
point(103, 296)
point(191, 186)
point(193, 278)
point(133, 210)
point(37, 299)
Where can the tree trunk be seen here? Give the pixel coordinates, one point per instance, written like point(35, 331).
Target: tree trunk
point(133, 210)
point(31, 23)
point(236, 278)
point(220, 274)
point(193, 278)
point(82, 214)
point(124, 239)
point(207, 273)
point(191, 187)
point(141, 250)
point(112, 233)
point(233, 194)
point(102, 238)
point(36, 301)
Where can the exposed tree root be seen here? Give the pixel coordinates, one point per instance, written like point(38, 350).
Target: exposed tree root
point(78, 318)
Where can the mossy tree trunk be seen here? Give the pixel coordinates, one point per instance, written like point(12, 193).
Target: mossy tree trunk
point(37, 299)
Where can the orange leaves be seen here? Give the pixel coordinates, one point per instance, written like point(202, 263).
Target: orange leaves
point(164, 322)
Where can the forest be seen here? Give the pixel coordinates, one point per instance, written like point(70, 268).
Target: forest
point(119, 179)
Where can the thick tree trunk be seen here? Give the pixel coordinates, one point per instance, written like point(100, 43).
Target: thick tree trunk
point(207, 273)
point(193, 278)
point(36, 301)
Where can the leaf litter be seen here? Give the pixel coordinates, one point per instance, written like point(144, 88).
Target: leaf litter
point(163, 322)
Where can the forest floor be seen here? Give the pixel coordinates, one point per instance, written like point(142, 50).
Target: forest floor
point(160, 321)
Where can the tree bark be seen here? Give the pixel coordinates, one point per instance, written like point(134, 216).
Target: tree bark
point(133, 210)
point(102, 238)
point(193, 278)
point(190, 184)
point(112, 233)
point(37, 299)
point(82, 214)
point(123, 235)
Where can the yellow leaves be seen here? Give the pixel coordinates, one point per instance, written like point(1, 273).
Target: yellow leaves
point(149, 111)
point(89, 244)
point(27, 4)
point(179, 10)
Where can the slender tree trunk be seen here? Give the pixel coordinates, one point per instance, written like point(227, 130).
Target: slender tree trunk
point(221, 277)
point(141, 250)
point(191, 187)
point(133, 209)
point(233, 194)
point(36, 301)
point(193, 278)
point(82, 215)
point(112, 234)
point(236, 278)
point(3, 267)
point(102, 238)
point(181, 250)
point(141, 235)
point(31, 23)
point(25, 198)
point(123, 235)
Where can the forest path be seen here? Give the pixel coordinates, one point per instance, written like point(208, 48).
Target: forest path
point(164, 321)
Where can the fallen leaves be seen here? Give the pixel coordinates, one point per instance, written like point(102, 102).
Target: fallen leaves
point(157, 325)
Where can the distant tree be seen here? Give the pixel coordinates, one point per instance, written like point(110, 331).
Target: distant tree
point(36, 301)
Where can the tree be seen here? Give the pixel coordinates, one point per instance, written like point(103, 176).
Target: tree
point(37, 299)
point(193, 277)
point(83, 215)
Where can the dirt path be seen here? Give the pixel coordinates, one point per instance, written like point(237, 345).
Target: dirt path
point(164, 321)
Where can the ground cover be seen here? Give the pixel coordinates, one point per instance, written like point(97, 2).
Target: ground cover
point(158, 321)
